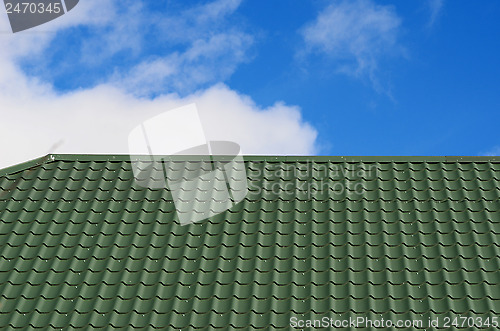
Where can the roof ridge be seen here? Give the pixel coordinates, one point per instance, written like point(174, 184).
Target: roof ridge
point(255, 157)
point(268, 158)
point(26, 165)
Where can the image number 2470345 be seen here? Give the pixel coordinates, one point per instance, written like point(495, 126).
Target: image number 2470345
point(25, 14)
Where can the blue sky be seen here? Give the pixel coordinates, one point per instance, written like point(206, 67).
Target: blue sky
point(361, 77)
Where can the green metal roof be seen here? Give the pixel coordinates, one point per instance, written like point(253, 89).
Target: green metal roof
point(400, 238)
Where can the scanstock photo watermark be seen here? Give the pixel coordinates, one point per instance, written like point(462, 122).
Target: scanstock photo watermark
point(206, 178)
point(429, 323)
point(306, 180)
point(171, 151)
point(25, 14)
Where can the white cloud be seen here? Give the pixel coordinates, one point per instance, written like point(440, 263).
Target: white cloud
point(206, 61)
point(354, 33)
point(197, 45)
point(214, 10)
point(120, 30)
point(98, 120)
point(212, 51)
point(435, 7)
point(198, 21)
point(495, 151)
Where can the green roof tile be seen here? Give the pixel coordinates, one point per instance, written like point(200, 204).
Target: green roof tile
point(82, 245)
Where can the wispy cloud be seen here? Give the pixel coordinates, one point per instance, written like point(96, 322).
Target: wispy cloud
point(495, 151)
point(205, 61)
point(435, 7)
point(148, 51)
point(195, 22)
point(356, 34)
point(98, 119)
point(208, 50)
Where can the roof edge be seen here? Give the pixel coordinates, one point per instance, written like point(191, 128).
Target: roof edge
point(269, 158)
point(26, 165)
point(324, 158)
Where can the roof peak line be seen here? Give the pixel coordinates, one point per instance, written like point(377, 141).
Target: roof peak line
point(258, 158)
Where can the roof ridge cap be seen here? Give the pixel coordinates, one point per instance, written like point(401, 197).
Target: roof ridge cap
point(26, 165)
point(267, 158)
point(337, 158)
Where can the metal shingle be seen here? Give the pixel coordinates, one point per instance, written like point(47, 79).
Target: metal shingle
point(81, 245)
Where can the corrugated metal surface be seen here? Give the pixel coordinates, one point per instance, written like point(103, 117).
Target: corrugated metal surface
point(82, 245)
